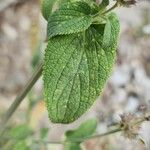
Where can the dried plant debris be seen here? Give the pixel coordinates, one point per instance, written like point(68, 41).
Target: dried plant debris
point(130, 125)
point(126, 3)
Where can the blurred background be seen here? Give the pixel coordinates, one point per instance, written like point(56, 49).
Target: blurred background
point(22, 43)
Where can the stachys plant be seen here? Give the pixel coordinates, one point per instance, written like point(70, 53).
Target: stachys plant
point(81, 51)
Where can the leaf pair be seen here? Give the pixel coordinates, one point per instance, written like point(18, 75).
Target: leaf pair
point(78, 60)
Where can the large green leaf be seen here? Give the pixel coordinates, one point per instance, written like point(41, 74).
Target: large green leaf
point(72, 17)
point(76, 69)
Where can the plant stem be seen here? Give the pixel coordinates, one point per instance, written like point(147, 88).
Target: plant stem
point(110, 9)
point(81, 140)
point(107, 11)
point(20, 98)
point(104, 134)
point(77, 140)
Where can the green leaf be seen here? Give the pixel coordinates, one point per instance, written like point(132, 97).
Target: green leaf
point(76, 68)
point(44, 132)
point(20, 146)
point(20, 132)
point(72, 17)
point(46, 7)
point(86, 129)
point(72, 146)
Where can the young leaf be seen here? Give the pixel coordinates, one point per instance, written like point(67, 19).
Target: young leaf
point(76, 68)
point(72, 17)
point(72, 146)
point(86, 129)
point(20, 131)
point(46, 7)
point(44, 132)
point(21, 145)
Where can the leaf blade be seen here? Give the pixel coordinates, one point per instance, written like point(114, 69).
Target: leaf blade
point(72, 17)
point(72, 146)
point(76, 69)
point(20, 131)
point(84, 130)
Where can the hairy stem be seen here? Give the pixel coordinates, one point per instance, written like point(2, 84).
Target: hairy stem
point(81, 140)
point(110, 9)
point(77, 140)
point(20, 98)
point(107, 11)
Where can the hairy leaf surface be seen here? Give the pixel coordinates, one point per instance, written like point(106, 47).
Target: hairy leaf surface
point(72, 17)
point(76, 69)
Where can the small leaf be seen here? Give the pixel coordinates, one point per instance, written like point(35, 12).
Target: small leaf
point(46, 7)
point(20, 132)
point(76, 68)
point(86, 129)
point(72, 17)
point(44, 132)
point(20, 146)
point(72, 146)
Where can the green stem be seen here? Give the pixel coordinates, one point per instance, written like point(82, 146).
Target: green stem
point(110, 9)
point(83, 139)
point(101, 14)
point(20, 98)
point(78, 140)
point(104, 134)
